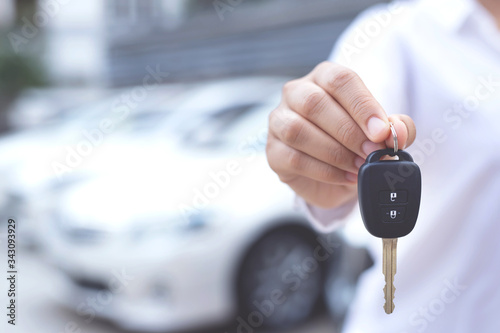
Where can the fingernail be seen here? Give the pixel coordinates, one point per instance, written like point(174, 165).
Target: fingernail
point(368, 147)
point(352, 177)
point(375, 126)
point(358, 162)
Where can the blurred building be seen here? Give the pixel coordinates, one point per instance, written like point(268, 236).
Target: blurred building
point(80, 34)
point(110, 43)
point(236, 38)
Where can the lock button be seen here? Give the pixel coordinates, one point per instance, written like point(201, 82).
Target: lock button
point(393, 214)
point(393, 197)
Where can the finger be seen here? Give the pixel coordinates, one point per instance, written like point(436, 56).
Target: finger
point(288, 162)
point(317, 106)
point(347, 88)
point(405, 129)
point(297, 132)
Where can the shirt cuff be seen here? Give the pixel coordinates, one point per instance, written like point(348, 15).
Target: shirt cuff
point(325, 220)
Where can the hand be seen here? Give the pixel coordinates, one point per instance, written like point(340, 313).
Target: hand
point(325, 126)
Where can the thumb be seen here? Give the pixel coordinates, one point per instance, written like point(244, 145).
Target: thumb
point(405, 129)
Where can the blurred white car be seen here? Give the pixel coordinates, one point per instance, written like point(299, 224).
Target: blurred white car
point(28, 157)
point(42, 106)
point(202, 234)
point(32, 158)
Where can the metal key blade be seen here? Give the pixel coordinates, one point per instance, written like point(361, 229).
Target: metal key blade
point(389, 270)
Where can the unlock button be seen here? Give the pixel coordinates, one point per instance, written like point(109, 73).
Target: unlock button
point(393, 214)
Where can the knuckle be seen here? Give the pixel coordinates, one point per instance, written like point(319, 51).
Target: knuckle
point(346, 130)
point(291, 133)
point(313, 103)
point(340, 77)
point(295, 160)
point(272, 158)
point(361, 106)
point(277, 121)
point(272, 165)
point(289, 87)
point(271, 119)
point(269, 149)
point(322, 66)
point(337, 155)
point(328, 173)
point(285, 178)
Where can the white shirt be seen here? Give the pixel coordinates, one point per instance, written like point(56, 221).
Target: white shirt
point(439, 62)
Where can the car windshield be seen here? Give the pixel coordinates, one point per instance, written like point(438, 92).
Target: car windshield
point(210, 130)
point(142, 123)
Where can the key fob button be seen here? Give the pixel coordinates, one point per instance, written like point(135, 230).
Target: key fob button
point(393, 197)
point(393, 214)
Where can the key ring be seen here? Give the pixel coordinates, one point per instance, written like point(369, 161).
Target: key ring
point(395, 137)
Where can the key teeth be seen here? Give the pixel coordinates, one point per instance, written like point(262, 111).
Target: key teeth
point(386, 308)
point(393, 291)
point(389, 311)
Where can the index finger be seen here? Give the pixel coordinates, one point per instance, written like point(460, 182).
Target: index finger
point(347, 88)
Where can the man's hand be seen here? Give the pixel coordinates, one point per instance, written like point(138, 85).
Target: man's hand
point(325, 126)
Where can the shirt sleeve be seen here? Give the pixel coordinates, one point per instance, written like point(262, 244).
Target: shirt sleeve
point(325, 220)
point(379, 60)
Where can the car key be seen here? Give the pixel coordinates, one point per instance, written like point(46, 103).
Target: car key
point(389, 199)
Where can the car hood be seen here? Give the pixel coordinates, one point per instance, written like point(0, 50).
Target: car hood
point(184, 186)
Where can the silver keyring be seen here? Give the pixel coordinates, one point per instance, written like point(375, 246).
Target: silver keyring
point(395, 137)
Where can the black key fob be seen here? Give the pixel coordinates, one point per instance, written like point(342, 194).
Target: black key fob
point(389, 193)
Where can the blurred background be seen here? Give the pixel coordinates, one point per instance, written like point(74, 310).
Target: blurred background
point(132, 159)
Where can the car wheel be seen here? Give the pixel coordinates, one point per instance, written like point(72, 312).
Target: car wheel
point(280, 282)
